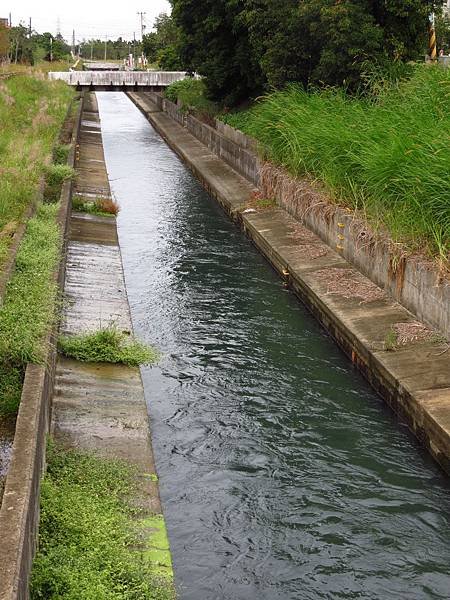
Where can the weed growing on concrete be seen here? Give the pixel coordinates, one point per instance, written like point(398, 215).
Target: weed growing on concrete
point(99, 206)
point(386, 154)
point(107, 345)
point(390, 340)
point(28, 309)
point(90, 545)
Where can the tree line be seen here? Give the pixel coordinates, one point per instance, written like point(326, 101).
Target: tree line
point(19, 45)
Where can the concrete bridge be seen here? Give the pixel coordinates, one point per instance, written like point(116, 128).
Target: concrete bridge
point(115, 81)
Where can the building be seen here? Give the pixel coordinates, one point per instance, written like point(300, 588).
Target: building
point(4, 22)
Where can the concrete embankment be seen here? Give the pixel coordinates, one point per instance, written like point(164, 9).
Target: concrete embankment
point(413, 375)
point(100, 408)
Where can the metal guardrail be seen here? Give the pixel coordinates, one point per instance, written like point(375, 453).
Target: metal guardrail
point(118, 78)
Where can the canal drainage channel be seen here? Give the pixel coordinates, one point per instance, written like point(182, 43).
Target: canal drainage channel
point(282, 474)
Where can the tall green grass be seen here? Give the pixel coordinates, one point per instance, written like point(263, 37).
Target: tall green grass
point(387, 154)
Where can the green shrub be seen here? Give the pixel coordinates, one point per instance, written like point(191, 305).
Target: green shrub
point(107, 345)
point(56, 174)
point(90, 546)
point(191, 96)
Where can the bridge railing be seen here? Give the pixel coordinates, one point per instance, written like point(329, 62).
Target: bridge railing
point(119, 78)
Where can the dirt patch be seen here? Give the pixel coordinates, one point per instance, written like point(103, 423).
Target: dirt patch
point(349, 284)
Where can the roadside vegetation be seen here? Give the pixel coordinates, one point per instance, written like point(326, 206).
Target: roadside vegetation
point(107, 345)
point(32, 111)
point(91, 543)
point(385, 153)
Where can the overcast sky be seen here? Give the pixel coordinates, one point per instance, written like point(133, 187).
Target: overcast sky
point(89, 18)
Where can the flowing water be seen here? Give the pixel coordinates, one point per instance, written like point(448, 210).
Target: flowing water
point(282, 474)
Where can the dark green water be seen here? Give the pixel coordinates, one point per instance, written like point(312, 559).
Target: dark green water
point(282, 474)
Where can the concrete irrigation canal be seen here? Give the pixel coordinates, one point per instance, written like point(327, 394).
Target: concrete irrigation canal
point(282, 474)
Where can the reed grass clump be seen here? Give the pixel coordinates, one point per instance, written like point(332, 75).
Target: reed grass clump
point(108, 345)
point(386, 154)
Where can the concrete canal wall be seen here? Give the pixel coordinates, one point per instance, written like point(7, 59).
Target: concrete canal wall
point(412, 375)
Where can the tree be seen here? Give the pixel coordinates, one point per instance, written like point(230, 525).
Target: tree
point(54, 47)
point(163, 44)
point(214, 41)
point(244, 46)
point(443, 32)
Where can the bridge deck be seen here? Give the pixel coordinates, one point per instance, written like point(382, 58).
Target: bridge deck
point(110, 80)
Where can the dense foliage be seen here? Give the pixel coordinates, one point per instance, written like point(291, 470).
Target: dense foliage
point(161, 45)
point(385, 154)
point(245, 46)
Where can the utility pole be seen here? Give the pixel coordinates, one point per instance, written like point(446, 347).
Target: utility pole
point(106, 45)
point(92, 48)
point(432, 38)
point(51, 48)
point(73, 42)
point(29, 29)
point(10, 20)
point(142, 16)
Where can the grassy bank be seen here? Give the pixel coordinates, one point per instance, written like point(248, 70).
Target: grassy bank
point(387, 155)
point(91, 543)
point(32, 111)
point(29, 305)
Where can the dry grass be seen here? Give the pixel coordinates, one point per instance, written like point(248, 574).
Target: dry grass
point(108, 205)
point(349, 284)
point(413, 331)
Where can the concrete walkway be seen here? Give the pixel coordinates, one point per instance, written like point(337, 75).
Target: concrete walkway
point(101, 407)
point(413, 378)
